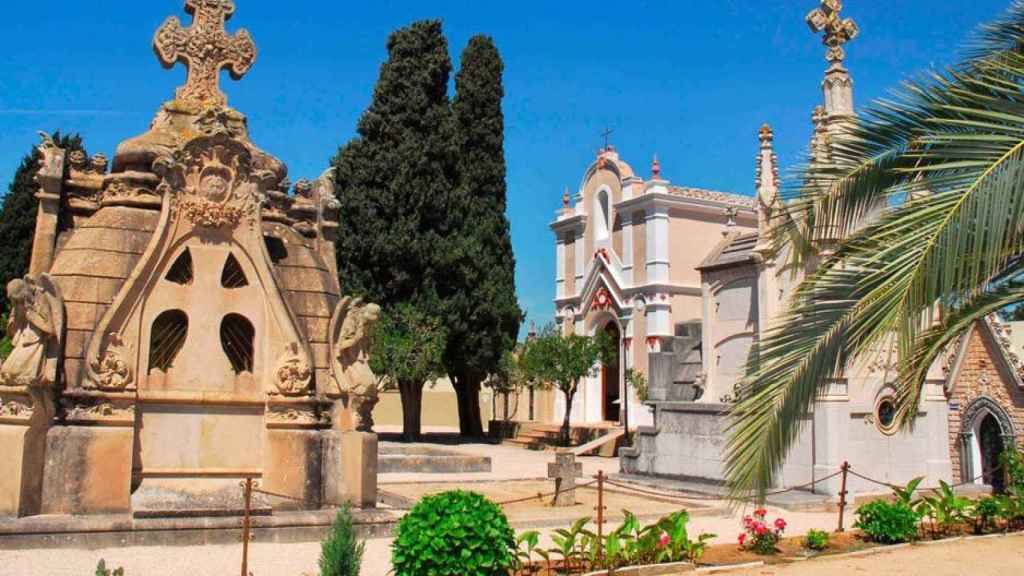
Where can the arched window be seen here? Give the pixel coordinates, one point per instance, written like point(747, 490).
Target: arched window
point(602, 215)
point(237, 337)
point(181, 271)
point(166, 339)
point(233, 276)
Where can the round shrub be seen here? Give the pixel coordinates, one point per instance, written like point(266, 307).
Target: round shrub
point(888, 522)
point(453, 534)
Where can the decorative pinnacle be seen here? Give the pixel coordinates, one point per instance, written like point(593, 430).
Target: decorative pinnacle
point(204, 48)
point(838, 32)
point(565, 198)
point(656, 169)
point(766, 135)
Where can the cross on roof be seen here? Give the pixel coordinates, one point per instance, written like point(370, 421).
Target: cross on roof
point(204, 48)
point(605, 134)
point(838, 32)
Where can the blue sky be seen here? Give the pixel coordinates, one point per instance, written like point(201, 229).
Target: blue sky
point(688, 80)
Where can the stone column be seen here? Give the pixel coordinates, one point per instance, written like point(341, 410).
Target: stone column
point(51, 179)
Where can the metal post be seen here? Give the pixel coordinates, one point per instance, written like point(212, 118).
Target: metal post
point(245, 527)
point(600, 515)
point(842, 496)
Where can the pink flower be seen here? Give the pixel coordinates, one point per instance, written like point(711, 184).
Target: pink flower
point(664, 540)
point(780, 524)
point(742, 539)
point(760, 529)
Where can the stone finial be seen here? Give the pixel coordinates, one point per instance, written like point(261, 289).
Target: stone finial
point(655, 169)
point(838, 31)
point(767, 187)
point(204, 48)
point(820, 143)
point(566, 200)
point(98, 163)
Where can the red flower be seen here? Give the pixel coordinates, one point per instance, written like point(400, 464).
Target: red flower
point(664, 540)
point(760, 529)
point(760, 512)
point(742, 539)
point(780, 523)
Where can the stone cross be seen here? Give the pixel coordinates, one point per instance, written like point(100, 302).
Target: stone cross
point(204, 48)
point(565, 470)
point(838, 31)
point(606, 134)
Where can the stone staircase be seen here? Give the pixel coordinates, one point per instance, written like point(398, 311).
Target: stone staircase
point(601, 439)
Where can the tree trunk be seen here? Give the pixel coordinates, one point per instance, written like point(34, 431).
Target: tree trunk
point(467, 390)
point(412, 407)
point(563, 435)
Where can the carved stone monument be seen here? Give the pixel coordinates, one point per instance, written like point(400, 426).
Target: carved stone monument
point(185, 327)
point(564, 471)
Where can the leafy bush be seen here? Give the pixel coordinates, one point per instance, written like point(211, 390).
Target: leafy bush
point(341, 554)
point(985, 513)
point(945, 509)
point(888, 522)
point(758, 535)
point(816, 540)
point(102, 570)
point(453, 534)
point(5, 341)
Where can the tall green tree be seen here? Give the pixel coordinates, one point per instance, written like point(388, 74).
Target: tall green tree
point(18, 215)
point(482, 313)
point(945, 158)
point(395, 182)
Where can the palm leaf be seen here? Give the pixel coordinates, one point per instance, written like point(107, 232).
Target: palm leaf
point(923, 200)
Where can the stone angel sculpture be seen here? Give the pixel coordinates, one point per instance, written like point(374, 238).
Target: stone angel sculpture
point(351, 332)
point(36, 330)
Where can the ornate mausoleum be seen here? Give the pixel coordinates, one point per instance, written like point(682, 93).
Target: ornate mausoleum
point(182, 326)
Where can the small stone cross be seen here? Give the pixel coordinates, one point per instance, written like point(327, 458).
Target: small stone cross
point(606, 134)
point(204, 48)
point(838, 32)
point(565, 470)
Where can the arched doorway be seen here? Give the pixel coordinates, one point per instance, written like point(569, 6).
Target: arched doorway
point(610, 378)
point(990, 448)
point(987, 432)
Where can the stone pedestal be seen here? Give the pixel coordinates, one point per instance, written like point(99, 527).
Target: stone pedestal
point(350, 469)
point(22, 450)
point(88, 470)
point(292, 466)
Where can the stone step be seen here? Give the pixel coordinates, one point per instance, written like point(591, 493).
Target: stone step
point(432, 464)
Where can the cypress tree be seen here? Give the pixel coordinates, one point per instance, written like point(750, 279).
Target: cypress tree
point(483, 314)
point(18, 216)
point(395, 182)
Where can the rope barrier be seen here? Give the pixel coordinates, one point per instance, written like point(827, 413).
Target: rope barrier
point(542, 495)
point(925, 489)
point(708, 498)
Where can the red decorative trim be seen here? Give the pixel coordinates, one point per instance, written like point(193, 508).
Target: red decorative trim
point(627, 342)
point(664, 297)
point(652, 341)
point(602, 300)
point(603, 254)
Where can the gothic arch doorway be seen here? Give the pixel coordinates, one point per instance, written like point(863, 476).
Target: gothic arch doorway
point(987, 432)
point(611, 381)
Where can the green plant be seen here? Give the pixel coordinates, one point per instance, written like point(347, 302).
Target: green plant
point(102, 570)
point(453, 534)
point(816, 540)
point(569, 543)
point(905, 494)
point(888, 522)
point(985, 513)
point(638, 381)
point(912, 203)
point(526, 547)
point(945, 509)
point(341, 553)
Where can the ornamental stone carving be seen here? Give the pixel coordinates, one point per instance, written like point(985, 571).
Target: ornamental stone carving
point(293, 375)
point(351, 333)
point(213, 182)
point(113, 371)
point(204, 48)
